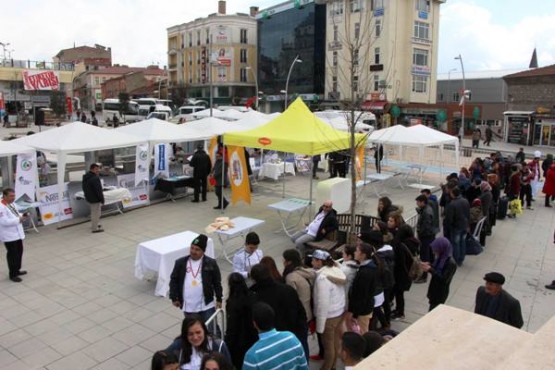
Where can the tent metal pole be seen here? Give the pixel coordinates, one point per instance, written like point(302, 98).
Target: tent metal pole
point(61, 168)
point(310, 208)
point(284, 163)
point(223, 174)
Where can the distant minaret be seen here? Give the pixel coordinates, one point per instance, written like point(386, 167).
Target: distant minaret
point(534, 60)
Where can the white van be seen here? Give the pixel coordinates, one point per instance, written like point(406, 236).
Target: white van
point(189, 109)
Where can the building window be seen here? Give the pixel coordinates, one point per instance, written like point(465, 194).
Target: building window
point(190, 59)
point(244, 36)
point(378, 27)
point(355, 6)
point(420, 57)
point(376, 55)
point(334, 59)
point(243, 75)
point(334, 84)
point(419, 84)
point(208, 36)
point(376, 4)
point(103, 79)
point(421, 30)
point(456, 96)
point(376, 82)
point(198, 37)
point(336, 8)
point(355, 57)
point(243, 56)
point(190, 39)
point(423, 5)
point(357, 30)
point(335, 33)
point(97, 81)
point(355, 84)
point(440, 97)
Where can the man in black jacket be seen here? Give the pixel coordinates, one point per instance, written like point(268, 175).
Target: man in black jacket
point(290, 313)
point(92, 188)
point(425, 231)
point(201, 168)
point(494, 302)
point(195, 281)
point(324, 223)
point(456, 223)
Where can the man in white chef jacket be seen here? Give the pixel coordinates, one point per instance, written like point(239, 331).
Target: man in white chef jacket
point(12, 234)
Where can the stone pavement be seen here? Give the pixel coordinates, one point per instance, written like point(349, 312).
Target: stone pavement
point(80, 306)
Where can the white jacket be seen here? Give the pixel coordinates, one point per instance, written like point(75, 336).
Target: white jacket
point(329, 295)
point(11, 228)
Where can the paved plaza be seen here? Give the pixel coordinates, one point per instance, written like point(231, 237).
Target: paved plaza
point(80, 306)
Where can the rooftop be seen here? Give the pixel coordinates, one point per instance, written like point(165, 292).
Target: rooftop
point(534, 72)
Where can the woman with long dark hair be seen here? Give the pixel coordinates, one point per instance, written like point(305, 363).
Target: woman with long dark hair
point(194, 342)
point(270, 264)
point(240, 333)
point(385, 206)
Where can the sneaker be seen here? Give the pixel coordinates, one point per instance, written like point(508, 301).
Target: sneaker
point(421, 280)
point(16, 279)
point(530, 208)
point(98, 231)
point(551, 286)
point(397, 316)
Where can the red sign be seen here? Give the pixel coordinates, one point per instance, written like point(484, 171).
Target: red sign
point(265, 141)
point(69, 105)
point(2, 106)
point(41, 80)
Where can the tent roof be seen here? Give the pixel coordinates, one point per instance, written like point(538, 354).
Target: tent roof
point(297, 130)
point(8, 148)
point(77, 137)
point(252, 120)
point(418, 135)
point(209, 126)
point(157, 130)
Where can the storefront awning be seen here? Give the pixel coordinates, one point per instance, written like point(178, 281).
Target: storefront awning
point(374, 106)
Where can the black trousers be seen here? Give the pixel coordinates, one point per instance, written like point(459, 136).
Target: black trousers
point(14, 255)
point(201, 184)
point(526, 192)
point(220, 195)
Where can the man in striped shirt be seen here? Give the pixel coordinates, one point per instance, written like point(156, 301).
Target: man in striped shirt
point(275, 350)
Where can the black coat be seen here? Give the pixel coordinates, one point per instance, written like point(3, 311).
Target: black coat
point(211, 280)
point(438, 290)
point(508, 307)
point(457, 215)
point(425, 224)
point(92, 187)
point(201, 164)
point(363, 290)
point(329, 224)
point(240, 332)
point(217, 173)
point(290, 313)
point(404, 252)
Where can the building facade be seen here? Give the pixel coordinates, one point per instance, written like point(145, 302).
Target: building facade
point(530, 116)
point(383, 51)
point(293, 29)
point(220, 50)
point(92, 57)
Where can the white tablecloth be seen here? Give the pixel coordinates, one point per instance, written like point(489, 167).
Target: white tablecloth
point(275, 170)
point(159, 255)
point(111, 195)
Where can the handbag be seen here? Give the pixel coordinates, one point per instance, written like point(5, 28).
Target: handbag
point(473, 246)
point(212, 181)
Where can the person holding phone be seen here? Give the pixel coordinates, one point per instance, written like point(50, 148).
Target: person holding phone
point(12, 234)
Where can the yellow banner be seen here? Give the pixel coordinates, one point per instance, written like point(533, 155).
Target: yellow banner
point(212, 148)
point(239, 178)
point(359, 161)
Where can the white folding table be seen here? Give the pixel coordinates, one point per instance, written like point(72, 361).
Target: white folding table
point(377, 182)
point(242, 225)
point(159, 255)
point(286, 209)
point(112, 196)
point(275, 170)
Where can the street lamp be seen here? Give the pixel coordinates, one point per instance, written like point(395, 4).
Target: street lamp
point(4, 46)
point(255, 83)
point(461, 130)
point(449, 84)
point(296, 60)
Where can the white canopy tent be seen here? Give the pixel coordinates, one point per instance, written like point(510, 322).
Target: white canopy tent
point(155, 130)
point(210, 126)
point(416, 136)
point(9, 148)
point(76, 137)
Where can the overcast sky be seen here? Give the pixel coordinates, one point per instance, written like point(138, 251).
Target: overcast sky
point(489, 34)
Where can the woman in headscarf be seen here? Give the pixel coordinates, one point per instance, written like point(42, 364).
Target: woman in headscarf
point(442, 271)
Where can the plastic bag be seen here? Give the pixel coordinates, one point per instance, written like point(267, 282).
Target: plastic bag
point(515, 206)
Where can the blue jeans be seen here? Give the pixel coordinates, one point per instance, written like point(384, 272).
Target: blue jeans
point(458, 240)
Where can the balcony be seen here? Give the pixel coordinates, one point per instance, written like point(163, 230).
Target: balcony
point(31, 64)
point(172, 66)
point(335, 45)
point(376, 67)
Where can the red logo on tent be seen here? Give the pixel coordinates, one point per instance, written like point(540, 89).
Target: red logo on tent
point(265, 141)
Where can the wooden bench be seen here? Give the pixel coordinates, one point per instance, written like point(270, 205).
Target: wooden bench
point(329, 242)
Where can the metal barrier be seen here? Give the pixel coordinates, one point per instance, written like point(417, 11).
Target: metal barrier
point(217, 324)
point(412, 221)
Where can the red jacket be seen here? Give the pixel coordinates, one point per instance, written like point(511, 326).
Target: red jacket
point(549, 186)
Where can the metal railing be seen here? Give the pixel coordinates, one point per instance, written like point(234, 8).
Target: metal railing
point(33, 64)
point(216, 322)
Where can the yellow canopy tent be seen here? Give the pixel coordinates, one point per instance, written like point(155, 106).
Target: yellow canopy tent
point(297, 130)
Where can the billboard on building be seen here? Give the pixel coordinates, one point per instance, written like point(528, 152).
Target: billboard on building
point(222, 35)
point(223, 56)
point(41, 80)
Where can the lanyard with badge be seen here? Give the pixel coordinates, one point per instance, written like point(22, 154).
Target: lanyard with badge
point(194, 283)
point(11, 208)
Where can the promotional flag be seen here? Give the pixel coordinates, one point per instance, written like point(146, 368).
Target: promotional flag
point(161, 160)
point(359, 162)
point(239, 178)
point(26, 176)
point(213, 148)
point(141, 164)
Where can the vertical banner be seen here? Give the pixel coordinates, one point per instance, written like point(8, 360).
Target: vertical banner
point(139, 192)
point(161, 160)
point(359, 161)
point(240, 188)
point(49, 204)
point(26, 176)
point(141, 164)
point(213, 148)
